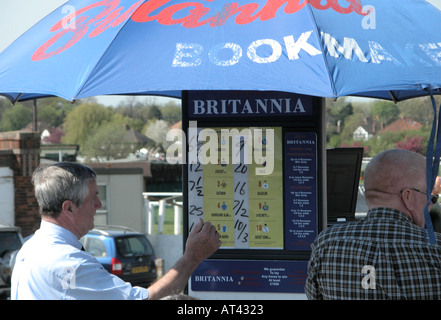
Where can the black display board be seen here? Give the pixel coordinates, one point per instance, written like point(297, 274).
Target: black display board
point(255, 168)
point(343, 178)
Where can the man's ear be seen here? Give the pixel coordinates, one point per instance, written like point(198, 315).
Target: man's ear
point(406, 197)
point(68, 208)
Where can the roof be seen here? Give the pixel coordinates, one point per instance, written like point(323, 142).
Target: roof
point(137, 137)
point(144, 165)
point(110, 230)
point(402, 124)
point(41, 126)
point(370, 125)
point(9, 228)
point(177, 125)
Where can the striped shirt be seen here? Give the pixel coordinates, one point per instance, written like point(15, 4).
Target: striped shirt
point(383, 256)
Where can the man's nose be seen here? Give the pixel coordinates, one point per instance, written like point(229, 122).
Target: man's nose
point(98, 203)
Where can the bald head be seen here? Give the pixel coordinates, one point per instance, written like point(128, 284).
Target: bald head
point(391, 171)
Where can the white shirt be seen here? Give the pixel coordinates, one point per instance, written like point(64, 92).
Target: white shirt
point(51, 266)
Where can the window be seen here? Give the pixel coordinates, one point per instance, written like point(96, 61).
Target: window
point(95, 247)
point(9, 241)
point(101, 217)
point(133, 246)
point(102, 194)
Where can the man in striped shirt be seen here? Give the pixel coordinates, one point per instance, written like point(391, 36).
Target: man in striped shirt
point(387, 254)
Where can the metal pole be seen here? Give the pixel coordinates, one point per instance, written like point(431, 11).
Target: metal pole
point(146, 215)
point(178, 214)
point(161, 215)
point(34, 117)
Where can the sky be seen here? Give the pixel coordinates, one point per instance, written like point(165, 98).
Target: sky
point(16, 16)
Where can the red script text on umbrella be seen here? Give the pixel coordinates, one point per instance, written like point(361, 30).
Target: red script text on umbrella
point(112, 16)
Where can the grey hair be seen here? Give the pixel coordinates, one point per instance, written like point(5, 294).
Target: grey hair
point(59, 182)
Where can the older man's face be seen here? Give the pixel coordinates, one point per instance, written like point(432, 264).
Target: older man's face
point(86, 212)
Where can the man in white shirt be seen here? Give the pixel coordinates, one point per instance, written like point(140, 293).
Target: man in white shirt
point(52, 264)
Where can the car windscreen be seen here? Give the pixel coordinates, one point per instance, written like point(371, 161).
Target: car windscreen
point(133, 246)
point(9, 241)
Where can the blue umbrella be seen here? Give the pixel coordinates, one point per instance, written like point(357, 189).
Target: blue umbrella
point(328, 48)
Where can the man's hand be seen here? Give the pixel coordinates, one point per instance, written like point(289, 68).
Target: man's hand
point(202, 242)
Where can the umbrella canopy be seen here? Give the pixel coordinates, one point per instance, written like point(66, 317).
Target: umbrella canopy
point(371, 48)
point(328, 48)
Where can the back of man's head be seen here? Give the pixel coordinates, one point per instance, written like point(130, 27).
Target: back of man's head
point(59, 182)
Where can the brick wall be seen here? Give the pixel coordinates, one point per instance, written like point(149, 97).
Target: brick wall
point(20, 151)
point(27, 216)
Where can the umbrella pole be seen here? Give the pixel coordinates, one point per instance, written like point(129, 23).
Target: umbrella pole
point(432, 165)
point(34, 116)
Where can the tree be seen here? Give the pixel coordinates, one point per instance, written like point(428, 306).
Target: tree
point(171, 112)
point(54, 110)
point(157, 131)
point(108, 142)
point(15, 118)
point(352, 122)
point(4, 105)
point(142, 113)
point(337, 112)
point(84, 120)
point(130, 107)
point(378, 144)
point(385, 111)
point(419, 109)
point(414, 144)
point(154, 112)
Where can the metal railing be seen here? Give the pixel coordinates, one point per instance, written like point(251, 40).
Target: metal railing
point(161, 199)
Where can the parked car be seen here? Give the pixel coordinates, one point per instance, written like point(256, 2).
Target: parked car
point(10, 242)
point(123, 252)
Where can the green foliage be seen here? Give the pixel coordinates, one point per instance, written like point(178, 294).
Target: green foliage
point(84, 121)
point(351, 124)
point(109, 141)
point(420, 110)
point(383, 112)
point(171, 112)
point(100, 131)
point(54, 110)
point(154, 112)
point(93, 126)
point(15, 118)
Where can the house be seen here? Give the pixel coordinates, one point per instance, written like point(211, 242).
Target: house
point(59, 152)
point(120, 187)
point(366, 130)
point(42, 126)
point(361, 134)
point(121, 184)
point(402, 124)
point(177, 125)
point(137, 139)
